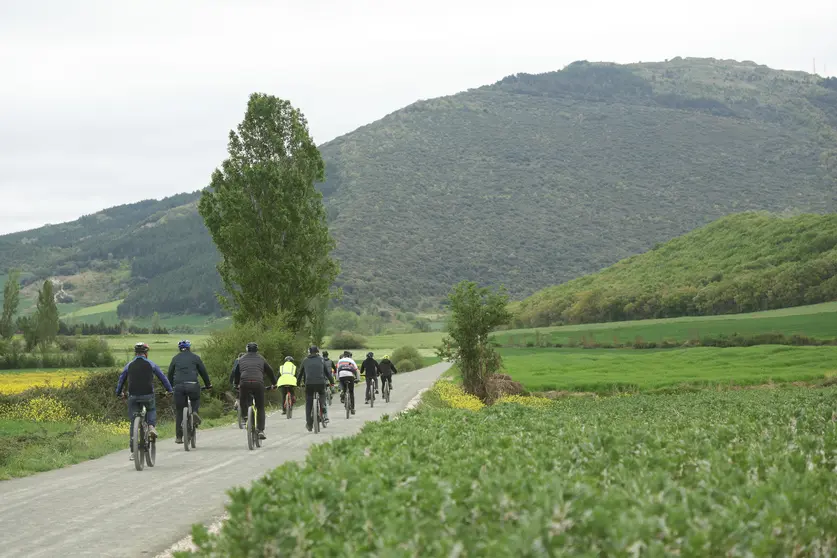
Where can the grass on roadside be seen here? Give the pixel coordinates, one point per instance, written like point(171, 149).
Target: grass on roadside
point(607, 371)
point(28, 447)
point(699, 474)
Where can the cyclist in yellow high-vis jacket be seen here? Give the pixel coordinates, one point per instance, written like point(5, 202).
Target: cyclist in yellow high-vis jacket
point(287, 380)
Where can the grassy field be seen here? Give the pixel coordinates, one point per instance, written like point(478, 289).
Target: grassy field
point(735, 473)
point(818, 321)
point(607, 371)
point(28, 447)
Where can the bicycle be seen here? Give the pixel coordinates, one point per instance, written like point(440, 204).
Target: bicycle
point(188, 423)
point(317, 412)
point(237, 407)
point(253, 440)
point(372, 387)
point(288, 404)
point(143, 447)
point(385, 390)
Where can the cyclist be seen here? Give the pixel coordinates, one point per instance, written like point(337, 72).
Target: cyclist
point(183, 375)
point(248, 378)
point(348, 375)
point(370, 368)
point(287, 381)
point(139, 374)
point(314, 373)
point(330, 365)
point(386, 368)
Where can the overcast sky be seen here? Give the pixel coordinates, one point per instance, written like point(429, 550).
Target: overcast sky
point(110, 102)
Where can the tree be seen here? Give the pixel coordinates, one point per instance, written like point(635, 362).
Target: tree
point(11, 300)
point(267, 219)
point(28, 325)
point(318, 320)
point(474, 313)
point(46, 315)
point(156, 327)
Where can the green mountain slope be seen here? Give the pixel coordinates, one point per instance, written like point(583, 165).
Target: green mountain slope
point(531, 181)
point(740, 263)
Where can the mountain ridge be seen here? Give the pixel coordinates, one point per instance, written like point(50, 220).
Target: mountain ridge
point(529, 181)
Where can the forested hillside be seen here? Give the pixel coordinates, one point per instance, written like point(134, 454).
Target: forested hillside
point(531, 181)
point(740, 263)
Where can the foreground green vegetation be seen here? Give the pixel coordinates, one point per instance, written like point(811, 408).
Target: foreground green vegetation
point(708, 474)
point(608, 371)
point(817, 321)
point(449, 181)
point(741, 263)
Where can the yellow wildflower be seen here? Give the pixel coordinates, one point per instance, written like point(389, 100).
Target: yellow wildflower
point(454, 396)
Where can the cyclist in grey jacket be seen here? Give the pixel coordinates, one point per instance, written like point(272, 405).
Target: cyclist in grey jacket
point(183, 375)
point(249, 373)
point(316, 375)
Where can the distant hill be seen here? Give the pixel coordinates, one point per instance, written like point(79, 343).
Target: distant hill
point(740, 263)
point(531, 181)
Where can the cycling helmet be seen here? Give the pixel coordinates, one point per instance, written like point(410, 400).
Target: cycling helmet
point(141, 347)
point(369, 354)
point(252, 347)
point(185, 344)
point(313, 350)
point(289, 359)
point(386, 357)
point(325, 354)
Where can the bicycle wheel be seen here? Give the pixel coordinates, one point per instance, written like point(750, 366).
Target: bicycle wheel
point(251, 428)
point(151, 453)
point(240, 415)
point(289, 407)
point(315, 409)
point(136, 429)
point(371, 395)
point(193, 437)
point(386, 392)
point(347, 404)
point(322, 415)
point(184, 423)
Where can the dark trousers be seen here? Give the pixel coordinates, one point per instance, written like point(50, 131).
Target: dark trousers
point(310, 390)
point(371, 383)
point(348, 386)
point(387, 379)
point(257, 390)
point(182, 392)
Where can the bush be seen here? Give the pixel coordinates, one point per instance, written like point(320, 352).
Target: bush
point(222, 348)
point(94, 352)
point(407, 353)
point(347, 340)
point(405, 365)
point(211, 408)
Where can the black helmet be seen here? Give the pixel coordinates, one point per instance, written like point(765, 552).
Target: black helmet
point(252, 347)
point(289, 359)
point(369, 354)
point(349, 354)
point(313, 350)
point(325, 354)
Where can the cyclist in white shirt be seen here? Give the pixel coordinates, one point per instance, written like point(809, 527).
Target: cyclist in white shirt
point(348, 374)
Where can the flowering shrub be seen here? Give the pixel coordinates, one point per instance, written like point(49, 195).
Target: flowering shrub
point(38, 409)
point(453, 395)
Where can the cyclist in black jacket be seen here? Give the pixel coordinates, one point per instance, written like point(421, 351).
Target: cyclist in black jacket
point(386, 368)
point(183, 375)
point(370, 368)
point(249, 373)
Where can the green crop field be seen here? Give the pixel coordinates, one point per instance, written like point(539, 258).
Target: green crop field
point(735, 473)
point(608, 370)
point(817, 321)
point(163, 347)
